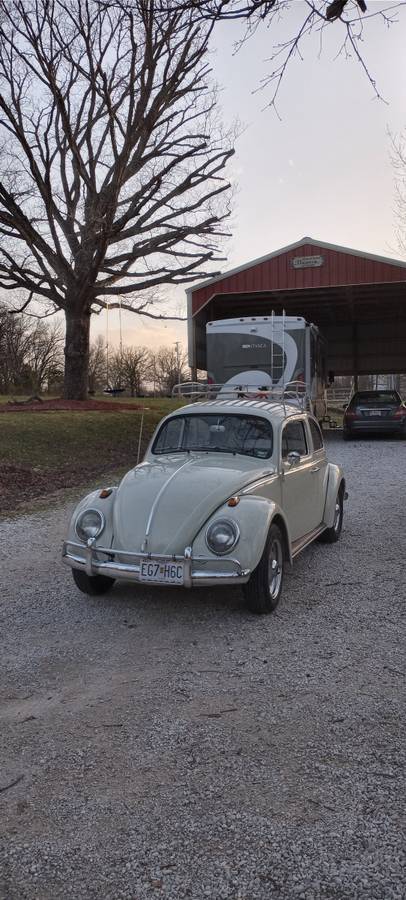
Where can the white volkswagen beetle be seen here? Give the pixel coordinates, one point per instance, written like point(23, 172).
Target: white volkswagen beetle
point(229, 492)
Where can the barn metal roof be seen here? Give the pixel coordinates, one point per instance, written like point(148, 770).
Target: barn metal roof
point(339, 267)
point(358, 300)
point(305, 240)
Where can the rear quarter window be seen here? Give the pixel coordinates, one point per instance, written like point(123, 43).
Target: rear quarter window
point(317, 436)
point(294, 439)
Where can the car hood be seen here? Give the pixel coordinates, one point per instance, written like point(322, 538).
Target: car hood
point(168, 501)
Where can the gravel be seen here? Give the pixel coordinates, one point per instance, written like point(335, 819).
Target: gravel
point(168, 744)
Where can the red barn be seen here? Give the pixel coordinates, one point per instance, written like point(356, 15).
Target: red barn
point(357, 299)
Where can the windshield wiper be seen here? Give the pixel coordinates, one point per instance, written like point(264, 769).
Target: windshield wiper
point(212, 449)
point(169, 450)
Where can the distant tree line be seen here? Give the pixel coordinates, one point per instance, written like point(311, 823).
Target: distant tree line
point(31, 354)
point(137, 370)
point(32, 361)
point(371, 383)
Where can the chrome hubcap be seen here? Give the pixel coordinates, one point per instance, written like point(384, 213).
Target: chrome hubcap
point(337, 514)
point(275, 568)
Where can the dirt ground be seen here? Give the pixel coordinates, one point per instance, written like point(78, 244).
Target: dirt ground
point(71, 445)
point(68, 405)
point(27, 487)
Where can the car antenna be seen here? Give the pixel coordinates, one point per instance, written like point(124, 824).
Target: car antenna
point(144, 410)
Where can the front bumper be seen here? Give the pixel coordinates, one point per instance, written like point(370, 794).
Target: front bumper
point(198, 571)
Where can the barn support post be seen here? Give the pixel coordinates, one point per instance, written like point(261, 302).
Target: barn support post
point(355, 354)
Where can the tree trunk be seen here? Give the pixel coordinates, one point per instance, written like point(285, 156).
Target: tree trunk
point(76, 355)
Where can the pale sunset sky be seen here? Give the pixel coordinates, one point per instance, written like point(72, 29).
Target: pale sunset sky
point(323, 169)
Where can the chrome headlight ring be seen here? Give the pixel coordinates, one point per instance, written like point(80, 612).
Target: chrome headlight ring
point(222, 535)
point(89, 524)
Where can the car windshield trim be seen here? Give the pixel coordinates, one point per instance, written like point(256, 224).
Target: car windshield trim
point(197, 450)
point(222, 432)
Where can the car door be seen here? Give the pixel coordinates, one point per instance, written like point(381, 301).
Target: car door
point(318, 468)
point(298, 490)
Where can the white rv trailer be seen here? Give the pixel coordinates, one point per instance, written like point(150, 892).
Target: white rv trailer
point(268, 352)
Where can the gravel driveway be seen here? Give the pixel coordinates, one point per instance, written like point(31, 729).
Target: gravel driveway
point(168, 744)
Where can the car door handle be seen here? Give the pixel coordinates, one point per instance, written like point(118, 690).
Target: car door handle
point(315, 469)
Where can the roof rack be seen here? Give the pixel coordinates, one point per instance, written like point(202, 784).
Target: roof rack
point(293, 393)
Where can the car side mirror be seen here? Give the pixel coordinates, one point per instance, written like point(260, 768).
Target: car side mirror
point(293, 458)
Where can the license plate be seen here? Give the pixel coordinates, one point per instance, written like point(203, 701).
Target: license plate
point(161, 571)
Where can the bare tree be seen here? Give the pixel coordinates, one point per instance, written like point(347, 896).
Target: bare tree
point(97, 364)
point(169, 368)
point(30, 353)
point(310, 16)
point(112, 156)
point(131, 367)
point(14, 344)
point(398, 155)
point(44, 354)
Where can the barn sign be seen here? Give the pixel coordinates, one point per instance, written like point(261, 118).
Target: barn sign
point(307, 262)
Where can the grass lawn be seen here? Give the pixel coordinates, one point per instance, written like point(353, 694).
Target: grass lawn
point(44, 452)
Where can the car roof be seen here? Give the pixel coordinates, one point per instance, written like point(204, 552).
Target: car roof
point(269, 409)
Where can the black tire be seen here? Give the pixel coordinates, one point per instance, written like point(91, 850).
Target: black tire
point(346, 435)
point(332, 535)
point(261, 593)
point(92, 584)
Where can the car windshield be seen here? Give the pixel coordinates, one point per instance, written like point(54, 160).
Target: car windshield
point(372, 398)
point(249, 435)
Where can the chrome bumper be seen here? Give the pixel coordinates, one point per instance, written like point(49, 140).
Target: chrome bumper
point(102, 561)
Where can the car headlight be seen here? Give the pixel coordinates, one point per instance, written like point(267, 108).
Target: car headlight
point(221, 536)
point(89, 524)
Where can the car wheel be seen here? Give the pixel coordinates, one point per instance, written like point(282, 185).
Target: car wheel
point(346, 435)
point(92, 584)
point(331, 535)
point(263, 590)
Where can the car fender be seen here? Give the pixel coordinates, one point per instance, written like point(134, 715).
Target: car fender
point(253, 516)
point(105, 506)
point(335, 479)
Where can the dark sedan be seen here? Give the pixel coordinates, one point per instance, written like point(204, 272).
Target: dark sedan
point(374, 411)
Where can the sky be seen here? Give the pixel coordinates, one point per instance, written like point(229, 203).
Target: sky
point(320, 167)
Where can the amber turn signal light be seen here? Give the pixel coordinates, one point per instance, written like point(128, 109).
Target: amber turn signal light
point(233, 501)
point(105, 493)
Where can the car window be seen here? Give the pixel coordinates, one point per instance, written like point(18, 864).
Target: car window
point(170, 436)
point(372, 398)
point(294, 439)
point(249, 435)
point(317, 437)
